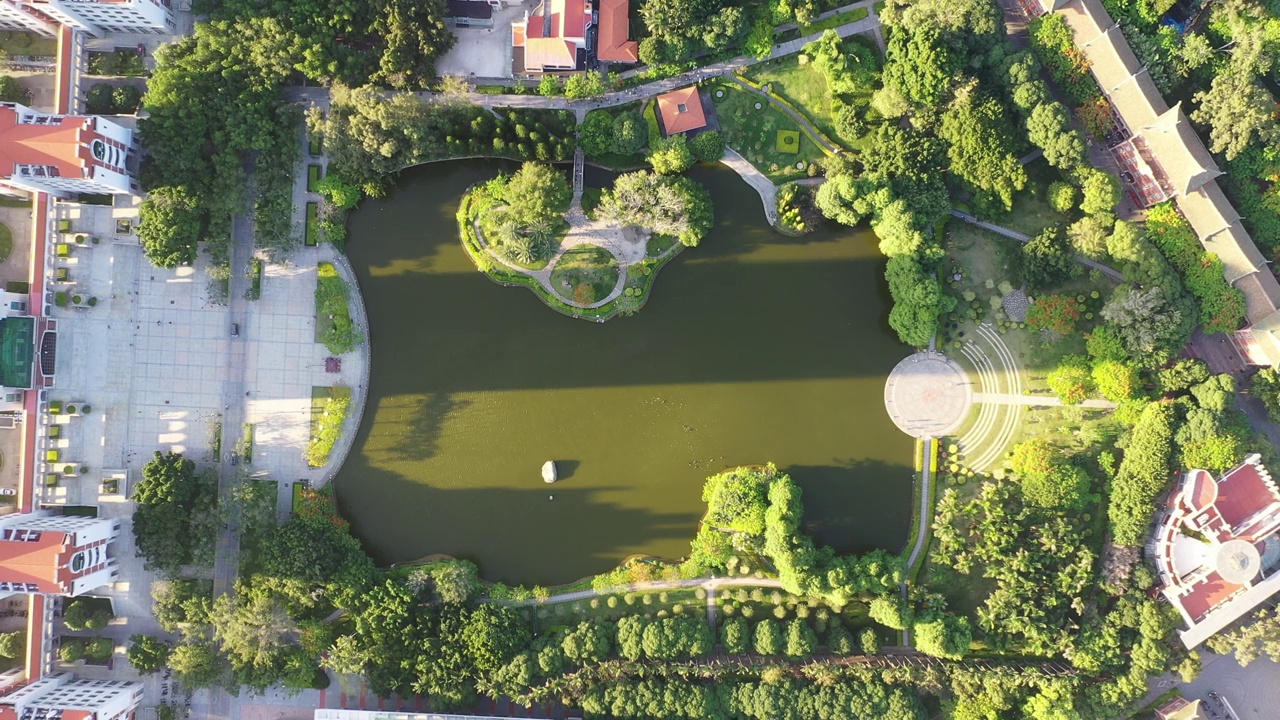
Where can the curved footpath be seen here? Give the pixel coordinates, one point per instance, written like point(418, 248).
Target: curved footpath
point(763, 186)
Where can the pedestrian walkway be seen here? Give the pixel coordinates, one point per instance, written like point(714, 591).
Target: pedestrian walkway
point(757, 180)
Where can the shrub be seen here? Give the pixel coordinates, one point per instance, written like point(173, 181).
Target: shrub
point(1055, 313)
point(708, 146)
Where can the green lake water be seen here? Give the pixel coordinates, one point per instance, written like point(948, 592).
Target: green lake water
point(754, 348)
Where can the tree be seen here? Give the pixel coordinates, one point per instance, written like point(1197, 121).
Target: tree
point(981, 144)
point(735, 635)
point(1071, 380)
point(674, 206)
point(1045, 260)
point(196, 665)
point(549, 86)
point(1237, 109)
point(801, 640)
point(1146, 321)
point(919, 67)
point(11, 90)
point(1142, 476)
point(148, 654)
point(708, 146)
point(493, 635)
point(595, 135)
point(345, 656)
point(839, 639)
point(172, 501)
point(768, 638)
point(868, 641)
point(1257, 637)
point(589, 84)
point(536, 193)
point(890, 612)
point(80, 615)
point(13, 644)
point(945, 636)
point(1062, 196)
point(1101, 191)
point(630, 133)
point(671, 156)
point(1047, 479)
point(1049, 128)
point(127, 98)
point(1266, 387)
point(918, 301)
point(1088, 236)
point(170, 227)
point(1115, 380)
point(100, 100)
point(253, 631)
point(72, 650)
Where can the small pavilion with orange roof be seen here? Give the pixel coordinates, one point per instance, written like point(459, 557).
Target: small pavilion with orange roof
point(680, 111)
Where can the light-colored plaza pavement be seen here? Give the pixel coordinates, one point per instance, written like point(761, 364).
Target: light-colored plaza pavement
point(150, 360)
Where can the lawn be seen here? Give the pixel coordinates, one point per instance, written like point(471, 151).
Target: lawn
point(313, 177)
point(329, 406)
point(585, 274)
point(753, 132)
point(333, 314)
point(1031, 212)
point(312, 226)
point(6, 242)
point(803, 86)
point(13, 42)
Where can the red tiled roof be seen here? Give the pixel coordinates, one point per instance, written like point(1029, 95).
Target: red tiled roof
point(613, 45)
point(1206, 595)
point(681, 110)
point(55, 144)
point(34, 562)
point(1242, 494)
point(553, 34)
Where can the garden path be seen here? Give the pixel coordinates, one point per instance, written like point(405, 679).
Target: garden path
point(1037, 400)
point(756, 179)
point(708, 584)
point(1023, 237)
point(922, 526)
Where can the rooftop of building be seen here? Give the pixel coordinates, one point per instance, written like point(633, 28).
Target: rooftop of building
point(615, 26)
point(681, 110)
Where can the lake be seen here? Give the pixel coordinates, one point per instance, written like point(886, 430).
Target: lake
point(753, 348)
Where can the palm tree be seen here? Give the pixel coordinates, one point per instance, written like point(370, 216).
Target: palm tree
point(521, 248)
point(507, 233)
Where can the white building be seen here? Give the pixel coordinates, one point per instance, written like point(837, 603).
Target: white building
point(63, 154)
point(20, 16)
point(59, 696)
point(56, 554)
point(98, 17)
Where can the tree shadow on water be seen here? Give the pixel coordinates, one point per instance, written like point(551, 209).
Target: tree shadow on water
point(544, 534)
point(856, 505)
point(415, 421)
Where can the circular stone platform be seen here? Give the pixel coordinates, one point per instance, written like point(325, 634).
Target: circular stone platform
point(1237, 561)
point(928, 395)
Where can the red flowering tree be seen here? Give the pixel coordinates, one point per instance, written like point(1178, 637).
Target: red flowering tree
point(1056, 313)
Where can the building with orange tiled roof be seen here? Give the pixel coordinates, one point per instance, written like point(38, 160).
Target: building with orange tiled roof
point(554, 37)
point(1216, 547)
point(64, 154)
point(60, 696)
point(55, 554)
point(612, 44)
point(681, 111)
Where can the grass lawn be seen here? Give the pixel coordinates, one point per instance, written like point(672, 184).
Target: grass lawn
point(312, 228)
point(313, 177)
point(1031, 212)
point(787, 142)
point(329, 406)
point(296, 497)
point(585, 274)
point(315, 145)
point(754, 132)
point(6, 242)
point(333, 312)
point(659, 244)
point(13, 42)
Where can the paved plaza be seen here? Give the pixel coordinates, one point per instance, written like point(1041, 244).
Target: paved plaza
point(150, 360)
point(928, 395)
